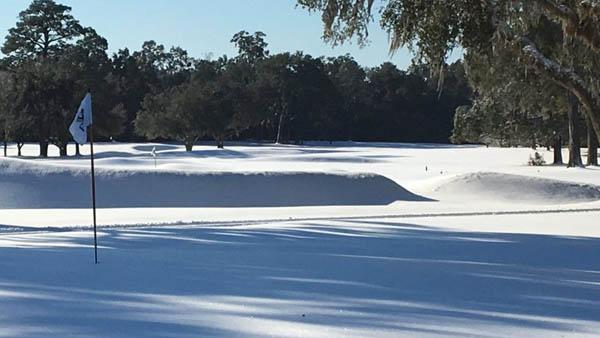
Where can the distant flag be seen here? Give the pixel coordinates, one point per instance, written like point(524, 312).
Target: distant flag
point(153, 152)
point(82, 120)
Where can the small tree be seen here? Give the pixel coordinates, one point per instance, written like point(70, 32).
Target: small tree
point(172, 114)
point(536, 160)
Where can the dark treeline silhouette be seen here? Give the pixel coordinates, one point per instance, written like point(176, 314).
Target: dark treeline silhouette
point(156, 93)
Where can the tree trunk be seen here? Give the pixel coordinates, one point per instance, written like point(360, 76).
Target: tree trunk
point(558, 160)
point(77, 150)
point(280, 128)
point(220, 142)
point(19, 147)
point(574, 136)
point(5, 148)
point(189, 145)
point(592, 143)
point(62, 150)
point(44, 148)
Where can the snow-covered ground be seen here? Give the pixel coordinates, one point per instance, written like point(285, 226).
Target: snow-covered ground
point(349, 239)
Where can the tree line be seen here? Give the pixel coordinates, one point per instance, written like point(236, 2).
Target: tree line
point(533, 65)
point(159, 93)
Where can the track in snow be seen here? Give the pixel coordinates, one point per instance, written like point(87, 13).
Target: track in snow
point(8, 229)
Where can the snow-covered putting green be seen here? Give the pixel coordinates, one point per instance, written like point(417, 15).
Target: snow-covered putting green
point(349, 239)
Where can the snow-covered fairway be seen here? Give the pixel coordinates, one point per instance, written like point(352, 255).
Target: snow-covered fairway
point(476, 245)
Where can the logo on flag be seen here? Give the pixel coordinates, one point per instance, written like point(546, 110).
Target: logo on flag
point(82, 120)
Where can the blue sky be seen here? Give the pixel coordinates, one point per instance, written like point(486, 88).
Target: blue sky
point(204, 27)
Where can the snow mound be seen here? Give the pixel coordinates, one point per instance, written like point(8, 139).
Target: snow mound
point(490, 186)
point(27, 186)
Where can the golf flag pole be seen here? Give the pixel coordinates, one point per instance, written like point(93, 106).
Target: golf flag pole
point(81, 125)
point(91, 129)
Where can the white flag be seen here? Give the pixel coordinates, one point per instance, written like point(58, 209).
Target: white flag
point(82, 120)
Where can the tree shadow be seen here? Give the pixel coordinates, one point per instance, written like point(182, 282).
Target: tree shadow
point(330, 159)
point(158, 147)
point(208, 153)
point(394, 145)
point(342, 277)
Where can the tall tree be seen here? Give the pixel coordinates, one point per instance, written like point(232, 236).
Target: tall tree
point(43, 30)
point(91, 69)
point(349, 80)
point(274, 81)
point(42, 34)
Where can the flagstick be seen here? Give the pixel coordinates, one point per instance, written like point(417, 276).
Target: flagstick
point(93, 193)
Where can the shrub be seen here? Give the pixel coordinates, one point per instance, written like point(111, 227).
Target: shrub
point(536, 160)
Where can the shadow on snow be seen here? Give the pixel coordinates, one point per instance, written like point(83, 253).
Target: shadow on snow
point(353, 275)
point(63, 189)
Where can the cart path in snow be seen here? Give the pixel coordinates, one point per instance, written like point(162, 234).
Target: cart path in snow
point(18, 229)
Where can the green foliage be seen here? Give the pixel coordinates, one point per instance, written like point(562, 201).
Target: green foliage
point(53, 61)
point(44, 29)
point(149, 70)
point(513, 106)
point(163, 93)
point(468, 125)
point(13, 125)
point(557, 40)
point(343, 19)
point(212, 106)
point(251, 47)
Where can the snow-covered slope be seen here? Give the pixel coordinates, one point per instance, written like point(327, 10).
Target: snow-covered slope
point(299, 241)
point(500, 187)
point(262, 181)
point(32, 186)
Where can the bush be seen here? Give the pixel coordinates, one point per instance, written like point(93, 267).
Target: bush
point(536, 160)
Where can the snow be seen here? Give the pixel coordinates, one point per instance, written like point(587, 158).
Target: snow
point(349, 240)
point(517, 189)
point(36, 188)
